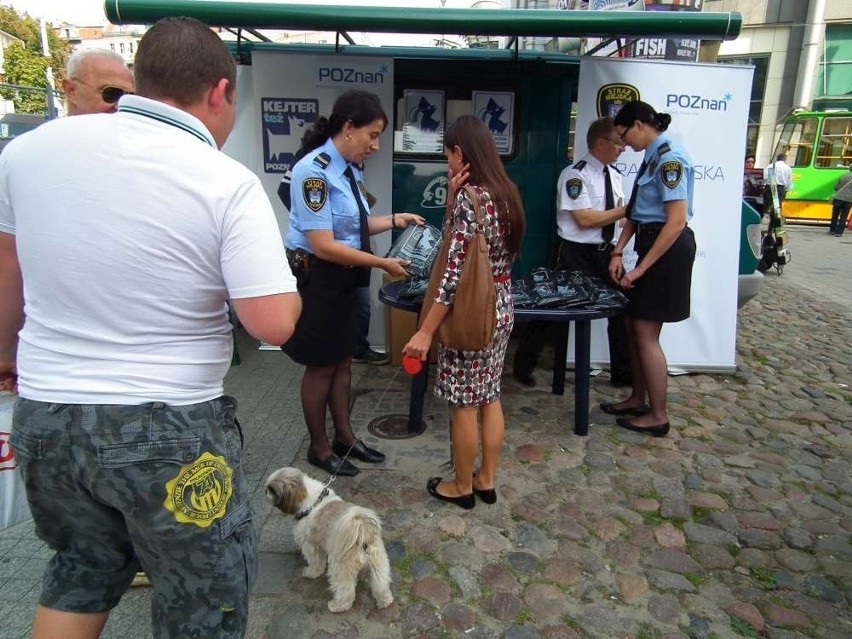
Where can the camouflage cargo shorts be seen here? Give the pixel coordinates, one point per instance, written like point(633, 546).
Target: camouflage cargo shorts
point(113, 487)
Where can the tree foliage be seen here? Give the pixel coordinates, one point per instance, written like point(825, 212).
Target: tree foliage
point(25, 63)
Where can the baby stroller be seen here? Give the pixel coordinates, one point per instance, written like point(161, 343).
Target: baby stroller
point(774, 239)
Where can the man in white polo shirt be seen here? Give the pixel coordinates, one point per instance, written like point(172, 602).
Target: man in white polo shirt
point(125, 235)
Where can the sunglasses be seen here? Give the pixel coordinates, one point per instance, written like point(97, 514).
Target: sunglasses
point(109, 94)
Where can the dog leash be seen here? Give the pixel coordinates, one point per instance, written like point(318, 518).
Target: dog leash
point(333, 476)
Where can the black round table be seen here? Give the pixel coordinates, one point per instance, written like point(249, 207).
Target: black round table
point(389, 295)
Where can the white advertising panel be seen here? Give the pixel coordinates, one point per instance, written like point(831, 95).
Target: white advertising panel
point(497, 110)
point(709, 109)
point(280, 96)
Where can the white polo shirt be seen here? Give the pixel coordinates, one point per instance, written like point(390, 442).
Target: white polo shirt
point(588, 192)
point(132, 231)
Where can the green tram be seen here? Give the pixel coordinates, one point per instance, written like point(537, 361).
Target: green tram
point(818, 145)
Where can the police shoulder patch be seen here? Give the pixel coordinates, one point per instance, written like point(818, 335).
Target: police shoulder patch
point(574, 186)
point(322, 160)
point(671, 173)
point(315, 193)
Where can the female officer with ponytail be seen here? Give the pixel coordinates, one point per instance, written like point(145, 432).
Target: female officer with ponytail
point(328, 246)
point(659, 286)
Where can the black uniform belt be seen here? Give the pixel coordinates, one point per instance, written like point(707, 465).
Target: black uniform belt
point(300, 258)
point(599, 246)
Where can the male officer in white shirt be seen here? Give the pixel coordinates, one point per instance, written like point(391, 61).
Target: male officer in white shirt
point(587, 211)
point(783, 176)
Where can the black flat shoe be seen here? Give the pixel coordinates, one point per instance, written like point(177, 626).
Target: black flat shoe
point(462, 501)
point(660, 430)
point(333, 464)
point(489, 496)
point(636, 411)
point(359, 451)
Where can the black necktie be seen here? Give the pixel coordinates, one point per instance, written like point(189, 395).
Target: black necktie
point(632, 201)
point(362, 210)
point(363, 278)
point(608, 231)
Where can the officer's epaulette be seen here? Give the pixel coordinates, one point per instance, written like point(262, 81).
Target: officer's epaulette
point(615, 168)
point(663, 149)
point(322, 160)
point(580, 165)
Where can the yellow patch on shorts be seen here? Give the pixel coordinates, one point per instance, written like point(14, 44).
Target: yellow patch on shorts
point(200, 492)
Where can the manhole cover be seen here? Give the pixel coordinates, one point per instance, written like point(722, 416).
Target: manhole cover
point(393, 427)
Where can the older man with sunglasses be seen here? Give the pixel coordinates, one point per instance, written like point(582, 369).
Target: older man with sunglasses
point(94, 81)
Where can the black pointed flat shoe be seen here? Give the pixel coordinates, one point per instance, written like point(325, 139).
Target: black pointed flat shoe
point(636, 411)
point(488, 495)
point(359, 451)
point(660, 430)
point(333, 464)
point(462, 501)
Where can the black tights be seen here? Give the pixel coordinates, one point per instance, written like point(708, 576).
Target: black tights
point(327, 386)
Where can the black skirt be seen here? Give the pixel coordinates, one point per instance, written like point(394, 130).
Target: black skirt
point(326, 329)
point(662, 294)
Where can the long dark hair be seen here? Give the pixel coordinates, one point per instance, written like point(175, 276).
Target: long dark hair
point(356, 106)
point(470, 134)
point(644, 112)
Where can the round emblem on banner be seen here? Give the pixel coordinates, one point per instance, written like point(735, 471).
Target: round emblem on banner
point(672, 173)
point(315, 193)
point(574, 186)
point(200, 492)
point(611, 97)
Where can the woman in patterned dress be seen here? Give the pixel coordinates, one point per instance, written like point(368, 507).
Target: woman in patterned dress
point(470, 380)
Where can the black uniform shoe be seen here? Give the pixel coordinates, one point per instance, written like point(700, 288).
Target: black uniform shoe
point(333, 464)
point(359, 451)
point(371, 357)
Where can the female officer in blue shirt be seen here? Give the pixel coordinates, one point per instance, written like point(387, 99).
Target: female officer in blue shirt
point(328, 245)
point(658, 287)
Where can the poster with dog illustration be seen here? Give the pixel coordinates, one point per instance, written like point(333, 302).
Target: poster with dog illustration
point(497, 110)
point(423, 129)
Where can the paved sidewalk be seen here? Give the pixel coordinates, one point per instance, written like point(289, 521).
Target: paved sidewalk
point(736, 525)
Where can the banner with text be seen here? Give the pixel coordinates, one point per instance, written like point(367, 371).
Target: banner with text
point(709, 108)
point(290, 91)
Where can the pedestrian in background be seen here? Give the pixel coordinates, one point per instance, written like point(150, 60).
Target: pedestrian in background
point(470, 380)
point(841, 203)
point(659, 285)
point(783, 177)
point(126, 256)
point(95, 80)
point(328, 245)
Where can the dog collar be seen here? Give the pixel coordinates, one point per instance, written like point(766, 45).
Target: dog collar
point(307, 511)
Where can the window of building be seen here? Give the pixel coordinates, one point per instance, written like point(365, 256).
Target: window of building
point(834, 78)
point(112, 46)
point(130, 46)
point(758, 90)
point(121, 46)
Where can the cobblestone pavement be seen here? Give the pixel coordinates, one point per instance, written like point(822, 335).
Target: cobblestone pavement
point(735, 525)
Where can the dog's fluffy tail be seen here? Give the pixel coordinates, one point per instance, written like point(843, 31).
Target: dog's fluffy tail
point(361, 531)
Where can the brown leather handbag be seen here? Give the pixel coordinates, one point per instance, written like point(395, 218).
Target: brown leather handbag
point(470, 324)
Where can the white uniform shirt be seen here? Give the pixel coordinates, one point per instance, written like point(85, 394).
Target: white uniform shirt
point(591, 195)
point(132, 231)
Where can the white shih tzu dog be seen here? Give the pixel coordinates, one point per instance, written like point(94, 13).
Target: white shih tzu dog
point(330, 530)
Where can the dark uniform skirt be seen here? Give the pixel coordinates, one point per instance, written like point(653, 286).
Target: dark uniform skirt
point(662, 294)
point(326, 329)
